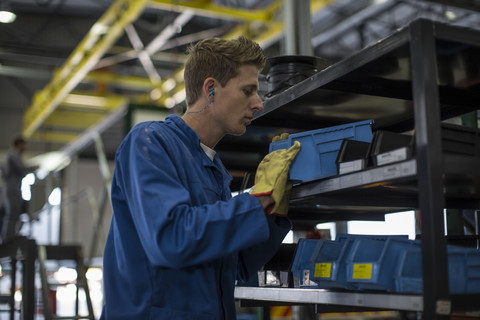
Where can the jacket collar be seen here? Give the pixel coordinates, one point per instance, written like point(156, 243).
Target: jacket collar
point(193, 139)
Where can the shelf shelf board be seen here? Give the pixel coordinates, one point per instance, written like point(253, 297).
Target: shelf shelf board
point(380, 301)
point(376, 83)
point(364, 179)
point(319, 296)
point(388, 188)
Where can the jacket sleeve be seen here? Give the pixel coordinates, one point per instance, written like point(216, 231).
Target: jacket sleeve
point(172, 230)
point(253, 258)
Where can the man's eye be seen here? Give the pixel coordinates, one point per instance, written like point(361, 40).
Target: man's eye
point(248, 92)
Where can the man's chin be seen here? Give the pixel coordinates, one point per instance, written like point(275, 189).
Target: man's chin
point(239, 132)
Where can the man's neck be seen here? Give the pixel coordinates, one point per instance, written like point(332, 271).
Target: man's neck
point(201, 124)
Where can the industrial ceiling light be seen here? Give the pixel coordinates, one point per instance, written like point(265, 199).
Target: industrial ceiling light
point(450, 15)
point(6, 14)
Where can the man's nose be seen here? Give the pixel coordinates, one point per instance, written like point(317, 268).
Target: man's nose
point(257, 103)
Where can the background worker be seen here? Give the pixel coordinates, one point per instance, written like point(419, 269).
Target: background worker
point(178, 240)
point(13, 172)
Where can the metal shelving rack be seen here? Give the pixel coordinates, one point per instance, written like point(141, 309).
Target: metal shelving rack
point(422, 74)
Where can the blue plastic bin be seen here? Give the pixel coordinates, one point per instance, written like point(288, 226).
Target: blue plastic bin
point(371, 263)
point(318, 154)
point(328, 267)
point(303, 263)
point(463, 271)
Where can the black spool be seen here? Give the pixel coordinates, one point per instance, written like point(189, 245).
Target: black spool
point(286, 71)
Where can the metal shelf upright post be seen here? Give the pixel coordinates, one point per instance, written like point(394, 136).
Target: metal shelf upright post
point(430, 182)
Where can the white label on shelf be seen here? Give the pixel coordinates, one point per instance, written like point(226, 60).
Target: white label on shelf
point(444, 306)
point(350, 166)
point(397, 170)
point(370, 176)
point(392, 156)
point(328, 185)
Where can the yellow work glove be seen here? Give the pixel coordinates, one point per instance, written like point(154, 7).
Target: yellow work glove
point(272, 177)
point(282, 208)
point(283, 136)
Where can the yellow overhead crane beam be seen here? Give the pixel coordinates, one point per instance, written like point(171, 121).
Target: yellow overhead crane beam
point(316, 5)
point(94, 103)
point(73, 119)
point(130, 82)
point(100, 38)
point(55, 136)
point(77, 112)
point(209, 9)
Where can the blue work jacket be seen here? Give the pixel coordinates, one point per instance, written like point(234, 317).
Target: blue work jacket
point(178, 240)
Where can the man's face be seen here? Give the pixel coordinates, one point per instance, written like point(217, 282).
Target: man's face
point(237, 102)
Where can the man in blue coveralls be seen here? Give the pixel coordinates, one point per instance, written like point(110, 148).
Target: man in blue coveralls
point(178, 240)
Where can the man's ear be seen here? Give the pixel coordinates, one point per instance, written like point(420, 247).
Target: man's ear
point(209, 87)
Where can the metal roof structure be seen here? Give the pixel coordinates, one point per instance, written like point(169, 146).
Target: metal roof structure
point(73, 70)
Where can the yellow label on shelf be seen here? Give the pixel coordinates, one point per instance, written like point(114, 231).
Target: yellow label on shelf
point(362, 271)
point(323, 270)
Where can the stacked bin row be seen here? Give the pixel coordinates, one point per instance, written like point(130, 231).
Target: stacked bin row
point(350, 147)
point(380, 263)
point(356, 262)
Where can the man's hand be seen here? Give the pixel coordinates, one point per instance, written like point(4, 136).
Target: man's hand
point(266, 201)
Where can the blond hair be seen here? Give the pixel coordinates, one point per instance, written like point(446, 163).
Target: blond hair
point(220, 59)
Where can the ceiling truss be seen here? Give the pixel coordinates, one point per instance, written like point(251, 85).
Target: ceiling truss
point(62, 112)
